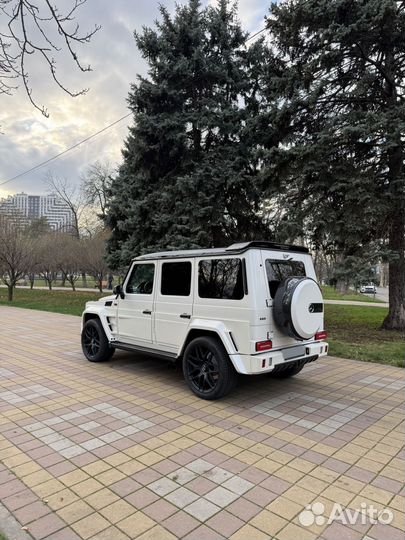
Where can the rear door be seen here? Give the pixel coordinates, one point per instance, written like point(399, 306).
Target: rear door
point(278, 266)
point(173, 303)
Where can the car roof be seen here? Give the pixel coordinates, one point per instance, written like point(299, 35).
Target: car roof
point(234, 249)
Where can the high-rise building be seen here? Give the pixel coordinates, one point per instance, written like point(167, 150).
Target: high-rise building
point(52, 207)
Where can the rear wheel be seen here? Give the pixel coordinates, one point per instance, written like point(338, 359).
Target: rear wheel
point(207, 368)
point(95, 345)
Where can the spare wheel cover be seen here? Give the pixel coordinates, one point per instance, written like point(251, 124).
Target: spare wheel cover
point(298, 307)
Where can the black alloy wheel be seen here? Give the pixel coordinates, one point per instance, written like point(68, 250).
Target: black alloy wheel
point(95, 345)
point(207, 368)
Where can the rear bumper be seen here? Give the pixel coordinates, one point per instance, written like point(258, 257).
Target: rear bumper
point(267, 361)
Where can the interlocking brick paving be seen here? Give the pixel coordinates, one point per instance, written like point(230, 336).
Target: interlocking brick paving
point(123, 450)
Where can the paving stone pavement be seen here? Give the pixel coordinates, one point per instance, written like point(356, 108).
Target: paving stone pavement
point(123, 450)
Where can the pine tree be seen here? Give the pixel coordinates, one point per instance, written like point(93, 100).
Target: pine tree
point(341, 167)
point(188, 177)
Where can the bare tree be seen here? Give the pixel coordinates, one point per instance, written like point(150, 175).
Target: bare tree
point(31, 28)
point(71, 195)
point(94, 253)
point(17, 251)
point(68, 258)
point(46, 259)
point(96, 183)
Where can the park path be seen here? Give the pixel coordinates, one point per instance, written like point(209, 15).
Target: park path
point(123, 450)
point(357, 303)
point(106, 291)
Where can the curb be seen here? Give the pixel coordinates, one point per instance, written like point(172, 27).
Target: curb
point(10, 527)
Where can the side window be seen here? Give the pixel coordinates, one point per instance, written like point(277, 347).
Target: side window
point(277, 270)
point(141, 279)
point(176, 278)
point(220, 278)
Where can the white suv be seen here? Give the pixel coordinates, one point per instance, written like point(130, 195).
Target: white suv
point(250, 308)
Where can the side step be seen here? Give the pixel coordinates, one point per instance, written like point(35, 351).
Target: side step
point(145, 350)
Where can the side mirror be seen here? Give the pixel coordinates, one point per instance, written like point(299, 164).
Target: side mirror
point(118, 290)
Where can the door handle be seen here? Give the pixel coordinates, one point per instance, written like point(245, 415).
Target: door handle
point(185, 316)
point(147, 312)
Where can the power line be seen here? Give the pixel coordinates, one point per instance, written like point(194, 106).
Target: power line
point(36, 167)
point(255, 34)
point(66, 151)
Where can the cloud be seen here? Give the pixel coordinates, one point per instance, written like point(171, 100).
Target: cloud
point(29, 138)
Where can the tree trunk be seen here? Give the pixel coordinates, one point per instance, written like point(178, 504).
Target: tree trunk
point(10, 292)
point(84, 280)
point(342, 286)
point(395, 320)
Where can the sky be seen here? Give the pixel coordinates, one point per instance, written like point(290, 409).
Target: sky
point(27, 137)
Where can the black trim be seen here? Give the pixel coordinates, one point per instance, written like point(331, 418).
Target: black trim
point(288, 363)
point(267, 245)
point(138, 348)
point(244, 277)
point(233, 341)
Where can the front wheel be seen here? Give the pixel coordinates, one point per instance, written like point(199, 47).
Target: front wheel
point(207, 368)
point(95, 345)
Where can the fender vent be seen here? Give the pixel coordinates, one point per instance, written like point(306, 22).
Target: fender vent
point(109, 323)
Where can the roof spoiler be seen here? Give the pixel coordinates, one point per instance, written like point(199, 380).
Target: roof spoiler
point(243, 246)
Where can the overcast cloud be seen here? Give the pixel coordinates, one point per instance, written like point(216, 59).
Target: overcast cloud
point(29, 138)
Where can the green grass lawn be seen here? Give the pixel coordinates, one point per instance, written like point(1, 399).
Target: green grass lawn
point(354, 331)
point(329, 293)
point(68, 302)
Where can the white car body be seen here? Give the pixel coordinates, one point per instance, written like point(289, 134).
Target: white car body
point(163, 325)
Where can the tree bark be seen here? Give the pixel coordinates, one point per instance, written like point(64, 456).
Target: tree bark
point(395, 320)
point(10, 289)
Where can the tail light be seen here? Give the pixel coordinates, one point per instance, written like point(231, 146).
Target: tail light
point(319, 336)
point(264, 345)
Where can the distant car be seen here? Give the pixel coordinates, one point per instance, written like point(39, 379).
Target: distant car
point(368, 289)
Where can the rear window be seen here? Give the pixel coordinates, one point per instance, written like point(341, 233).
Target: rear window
point(221, 279)
point(278, 270)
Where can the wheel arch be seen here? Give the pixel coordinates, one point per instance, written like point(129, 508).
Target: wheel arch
point(199, 332)
point(215, 329)
point(88, 316)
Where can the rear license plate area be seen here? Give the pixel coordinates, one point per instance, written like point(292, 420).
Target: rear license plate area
point(294, 352)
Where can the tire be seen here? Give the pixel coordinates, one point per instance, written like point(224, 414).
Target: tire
point(288, 371)
point(298, 307)
point(95, 345)
point(207, 368)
